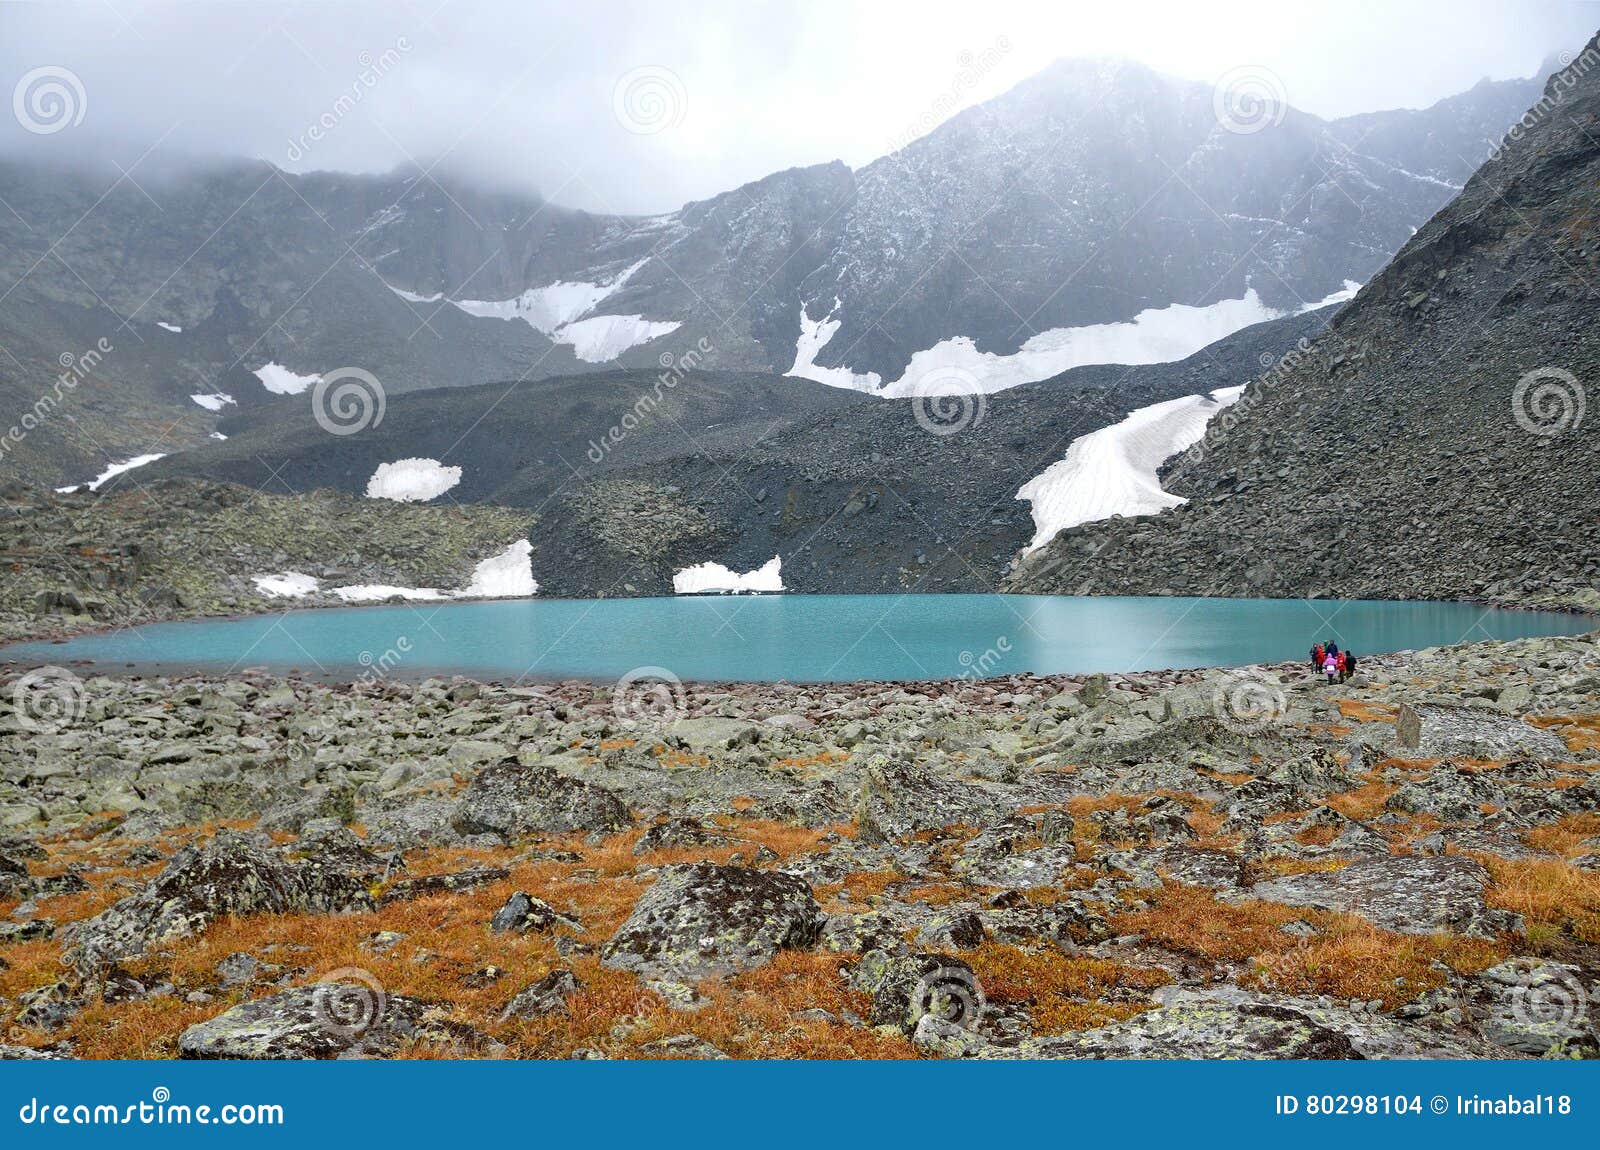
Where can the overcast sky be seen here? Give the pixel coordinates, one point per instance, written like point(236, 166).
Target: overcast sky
point(622, 105)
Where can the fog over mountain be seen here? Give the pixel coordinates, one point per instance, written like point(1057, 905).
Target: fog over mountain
point(527, 96)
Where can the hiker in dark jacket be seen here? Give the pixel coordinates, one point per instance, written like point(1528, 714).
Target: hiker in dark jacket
point(1349, 667)
point(1316, 658)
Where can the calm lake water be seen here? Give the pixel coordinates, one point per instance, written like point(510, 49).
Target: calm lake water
point(802, 638)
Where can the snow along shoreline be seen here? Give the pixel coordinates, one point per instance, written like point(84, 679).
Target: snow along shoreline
point(508, 575)
point(1116, 471)
point(715, 579)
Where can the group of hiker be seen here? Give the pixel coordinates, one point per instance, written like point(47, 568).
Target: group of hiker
point(1328, 660)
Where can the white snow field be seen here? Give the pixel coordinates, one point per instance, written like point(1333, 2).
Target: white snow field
point(814, 336)
point(1113, 471)
point(507, 575)
point(412, 480)
point(503, 576)
point(557, 310)
point(114, 470)
point(172, 327)
point(371, 592)
point(213, 402)
point(952, 366)
point(285, 585)
point(281, 381)
point(601, 338)
point(705, 578)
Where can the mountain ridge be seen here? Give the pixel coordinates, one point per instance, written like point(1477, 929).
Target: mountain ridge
point(323, 271)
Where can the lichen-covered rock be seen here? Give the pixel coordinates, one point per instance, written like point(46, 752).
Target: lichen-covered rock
point(515, 801)
point(679, 834)
point(1472, 733)
point(325, 1020)
point(1227, 1022)
point(320, 802)
point(1066, 923)
point(1404, 893)
point(956, 930)
point(898, 799)
point(683, 1046)
point(905, 988)
point(1540, 1008)
point(545, 997)
point(1191, 866)
point(702, 920)
point(1041, 866)
point(454, 882)
point(229, 874)
point(338, 848)
point(523, 913)
point(1255, 800)
point(1450, 793)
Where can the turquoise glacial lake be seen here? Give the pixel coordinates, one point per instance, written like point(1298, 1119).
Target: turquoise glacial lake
point(801, 638)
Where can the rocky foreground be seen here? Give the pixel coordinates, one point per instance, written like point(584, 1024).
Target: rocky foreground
point(1179, 864)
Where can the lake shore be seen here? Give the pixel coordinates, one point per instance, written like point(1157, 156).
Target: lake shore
point(1168, 864)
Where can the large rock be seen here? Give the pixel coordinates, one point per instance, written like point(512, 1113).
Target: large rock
point(1536, 1007)
point(230, 874)
point(1227, 1022)
point(333, 1019)
point(1192, 866)
point(898, 799)
point(1404, 893)
point(704, 919)
point(905, 988)
point(1449, 793)
point(514, 801)
point(544, 997)
point(1472, 732)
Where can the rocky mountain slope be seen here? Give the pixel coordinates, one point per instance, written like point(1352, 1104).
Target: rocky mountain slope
point(169, 549)
point(1434, 442)
point(1239, 864)
point(1099, 188)
point(854, 494)
point(1091, 194)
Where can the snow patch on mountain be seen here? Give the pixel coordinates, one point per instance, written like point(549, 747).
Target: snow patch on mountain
point(1114, 471)
point(714, 577)
point(172, 327)
point(281, 381)
point(955, 366)
point(285, 584)
point(414, 297)
point(112, 471)
point(814, 336)
point(557, 310)
point(601, 338)
point(1155, 335)
point(214, 401)
point(1343, 295)
point(412, 480)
